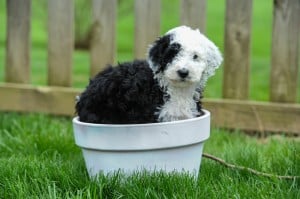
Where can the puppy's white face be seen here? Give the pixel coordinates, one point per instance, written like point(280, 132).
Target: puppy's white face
point(189, 63)
point(182, 61)
point(183, 57)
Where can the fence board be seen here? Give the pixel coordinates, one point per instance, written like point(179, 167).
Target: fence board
point(60, 42)
point(285, 51)
point(27, 98)
point(147, 25)
point(103, 44)
point(234, 114)
point(255, 116)
point(237, 49)
point(193, 14)
point(17, 61)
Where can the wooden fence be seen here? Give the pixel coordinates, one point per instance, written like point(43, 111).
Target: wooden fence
point(235, 110)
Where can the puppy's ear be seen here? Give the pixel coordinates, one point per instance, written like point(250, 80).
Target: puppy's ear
point(213, 61)
point(214, 57)
point(157, 51)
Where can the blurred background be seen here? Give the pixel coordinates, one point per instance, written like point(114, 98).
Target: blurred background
point(260, 40)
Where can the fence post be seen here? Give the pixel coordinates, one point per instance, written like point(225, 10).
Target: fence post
point(147, 25)
point(60, 42)
point(285, 51)
point(193, 14)
point(103, 41)
point(17, 63)
point(237, 49)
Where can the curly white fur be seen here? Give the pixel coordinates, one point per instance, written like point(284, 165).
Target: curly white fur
point(200, 57)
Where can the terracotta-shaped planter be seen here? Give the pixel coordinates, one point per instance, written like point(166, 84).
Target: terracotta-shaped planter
point(168, 146)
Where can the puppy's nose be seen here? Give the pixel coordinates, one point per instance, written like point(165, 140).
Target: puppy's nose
point(183, 73)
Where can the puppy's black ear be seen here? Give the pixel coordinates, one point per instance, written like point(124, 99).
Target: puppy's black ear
point(157, 51)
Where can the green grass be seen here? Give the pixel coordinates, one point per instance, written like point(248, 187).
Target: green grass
point(39, 159)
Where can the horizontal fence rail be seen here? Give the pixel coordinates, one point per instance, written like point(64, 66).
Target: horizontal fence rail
point(235, 111)
point(228, 113)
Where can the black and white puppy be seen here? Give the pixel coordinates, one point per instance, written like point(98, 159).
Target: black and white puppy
point(167, 86)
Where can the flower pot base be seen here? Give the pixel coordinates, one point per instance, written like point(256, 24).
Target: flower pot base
point(187, 159)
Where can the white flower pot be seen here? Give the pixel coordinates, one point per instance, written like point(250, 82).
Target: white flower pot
point(168, 146)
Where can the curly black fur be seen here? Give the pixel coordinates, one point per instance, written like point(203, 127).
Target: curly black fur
point(124, 94)
point(163, 52)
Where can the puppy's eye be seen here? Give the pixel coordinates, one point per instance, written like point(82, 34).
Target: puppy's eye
point(195, 57)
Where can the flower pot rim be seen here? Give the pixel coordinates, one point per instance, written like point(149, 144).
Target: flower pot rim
point(142, 136)
point(76, 121)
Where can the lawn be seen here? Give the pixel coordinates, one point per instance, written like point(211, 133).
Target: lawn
point(38, 157)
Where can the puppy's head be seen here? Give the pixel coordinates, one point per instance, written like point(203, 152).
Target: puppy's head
point(182, 57)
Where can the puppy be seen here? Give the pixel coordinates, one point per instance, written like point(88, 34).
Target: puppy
point(166, 87)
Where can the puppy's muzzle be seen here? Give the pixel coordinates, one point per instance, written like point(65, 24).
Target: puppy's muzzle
point(183, 73)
